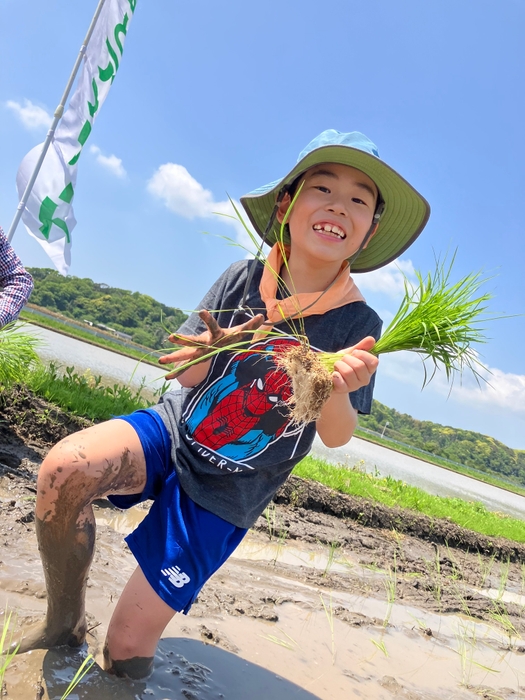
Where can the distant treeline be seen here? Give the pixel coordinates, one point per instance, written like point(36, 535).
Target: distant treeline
point(462, 446)
point(138, 315)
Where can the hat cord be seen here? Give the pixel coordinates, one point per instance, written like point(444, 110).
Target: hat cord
point(373, 228)
point(269, 226)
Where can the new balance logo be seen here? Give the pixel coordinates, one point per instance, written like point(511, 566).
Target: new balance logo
point(175, 576)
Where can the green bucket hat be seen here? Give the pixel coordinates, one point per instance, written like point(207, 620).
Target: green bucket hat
point(401, 221)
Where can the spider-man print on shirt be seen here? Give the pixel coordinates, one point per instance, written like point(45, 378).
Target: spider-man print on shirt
point(243, 411)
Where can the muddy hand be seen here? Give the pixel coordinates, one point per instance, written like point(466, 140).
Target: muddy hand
point(198, 346)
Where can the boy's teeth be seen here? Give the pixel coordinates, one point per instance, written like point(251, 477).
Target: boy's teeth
point(328, 228)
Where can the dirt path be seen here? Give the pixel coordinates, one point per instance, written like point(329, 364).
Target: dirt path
point(329, 597)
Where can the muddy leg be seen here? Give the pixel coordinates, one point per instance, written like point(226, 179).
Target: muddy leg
point(135, 628)
point(105, 459)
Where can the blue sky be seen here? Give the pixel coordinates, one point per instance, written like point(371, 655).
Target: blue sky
point(218, 98)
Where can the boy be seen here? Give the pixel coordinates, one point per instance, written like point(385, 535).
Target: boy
point(16, 284)
point(213, 454)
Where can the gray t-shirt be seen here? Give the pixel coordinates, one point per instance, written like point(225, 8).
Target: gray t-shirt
point(233, 444)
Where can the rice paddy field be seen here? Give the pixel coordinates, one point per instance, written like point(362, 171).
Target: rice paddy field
point(362, 587)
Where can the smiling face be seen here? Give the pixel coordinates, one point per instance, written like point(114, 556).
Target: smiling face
point(332, 214)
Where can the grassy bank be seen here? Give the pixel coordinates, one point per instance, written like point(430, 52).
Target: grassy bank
point(434, 459)
point(392, 492)
point(106, 343)
point(84, 395)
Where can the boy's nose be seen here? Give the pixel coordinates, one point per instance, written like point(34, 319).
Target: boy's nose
point(337, 209)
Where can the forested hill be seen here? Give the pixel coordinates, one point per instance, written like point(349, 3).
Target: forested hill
point(138, 315)
point(462, 446)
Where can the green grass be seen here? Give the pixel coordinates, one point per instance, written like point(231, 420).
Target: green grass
point(392, 492)
point(85, 395)
point(18, 351)
point(6, 656)
point(435, 459)
point(80, 334)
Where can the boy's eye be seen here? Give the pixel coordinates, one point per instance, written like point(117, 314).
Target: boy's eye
point(322, 188)
point(357, 200)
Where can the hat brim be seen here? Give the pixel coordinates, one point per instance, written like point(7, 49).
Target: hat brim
point(405, 215)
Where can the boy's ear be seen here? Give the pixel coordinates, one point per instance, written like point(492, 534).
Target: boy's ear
point(283, 207)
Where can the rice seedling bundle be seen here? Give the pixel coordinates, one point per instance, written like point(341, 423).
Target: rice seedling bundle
point(17, 353)
point(438, 320)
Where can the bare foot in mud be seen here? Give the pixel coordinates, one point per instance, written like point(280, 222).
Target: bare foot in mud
point(42, 635)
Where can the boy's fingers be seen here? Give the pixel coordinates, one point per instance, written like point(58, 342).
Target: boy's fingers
point(365, 344)
point(216, 331)
point(240, 333)
point(190, 341)
point(183, 354)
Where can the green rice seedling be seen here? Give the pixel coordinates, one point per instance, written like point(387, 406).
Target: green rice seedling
point(485, 567)
point(381, 646)
point(390, 583)
point(288, 643)
point(467, 643)
point(6, 638)
point(503, 578)
point(270, 515)
point(17, 353)
point(499, 614)
point(79, 675)
point(329, 612)
point(334, 546)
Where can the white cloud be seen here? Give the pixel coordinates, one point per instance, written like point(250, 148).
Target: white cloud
point(32, 116)
point(387, 280)
point(499, 390)
point(182, 194)
point(110, 163)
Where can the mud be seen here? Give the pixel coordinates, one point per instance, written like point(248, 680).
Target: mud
point(329, 597)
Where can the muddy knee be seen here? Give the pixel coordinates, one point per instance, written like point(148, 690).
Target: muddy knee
point(62, 476)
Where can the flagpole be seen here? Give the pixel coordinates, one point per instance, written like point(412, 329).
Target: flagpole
point(57, 116)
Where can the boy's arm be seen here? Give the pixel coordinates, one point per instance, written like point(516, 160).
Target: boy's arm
point(354, 370)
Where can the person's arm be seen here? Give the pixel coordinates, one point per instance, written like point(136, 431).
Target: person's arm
point(354, 370)
point(16, 284)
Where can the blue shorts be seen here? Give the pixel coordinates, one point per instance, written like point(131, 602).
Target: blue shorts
point(178, 545)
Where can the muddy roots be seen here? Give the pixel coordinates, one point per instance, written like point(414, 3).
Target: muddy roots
point(311, 383)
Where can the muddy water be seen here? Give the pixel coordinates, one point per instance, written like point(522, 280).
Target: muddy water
point(307, 654)
point(303, 650)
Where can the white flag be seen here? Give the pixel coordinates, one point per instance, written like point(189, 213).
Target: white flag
point(48, 214)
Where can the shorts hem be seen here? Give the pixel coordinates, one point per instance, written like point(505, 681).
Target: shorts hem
point(154, 582)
